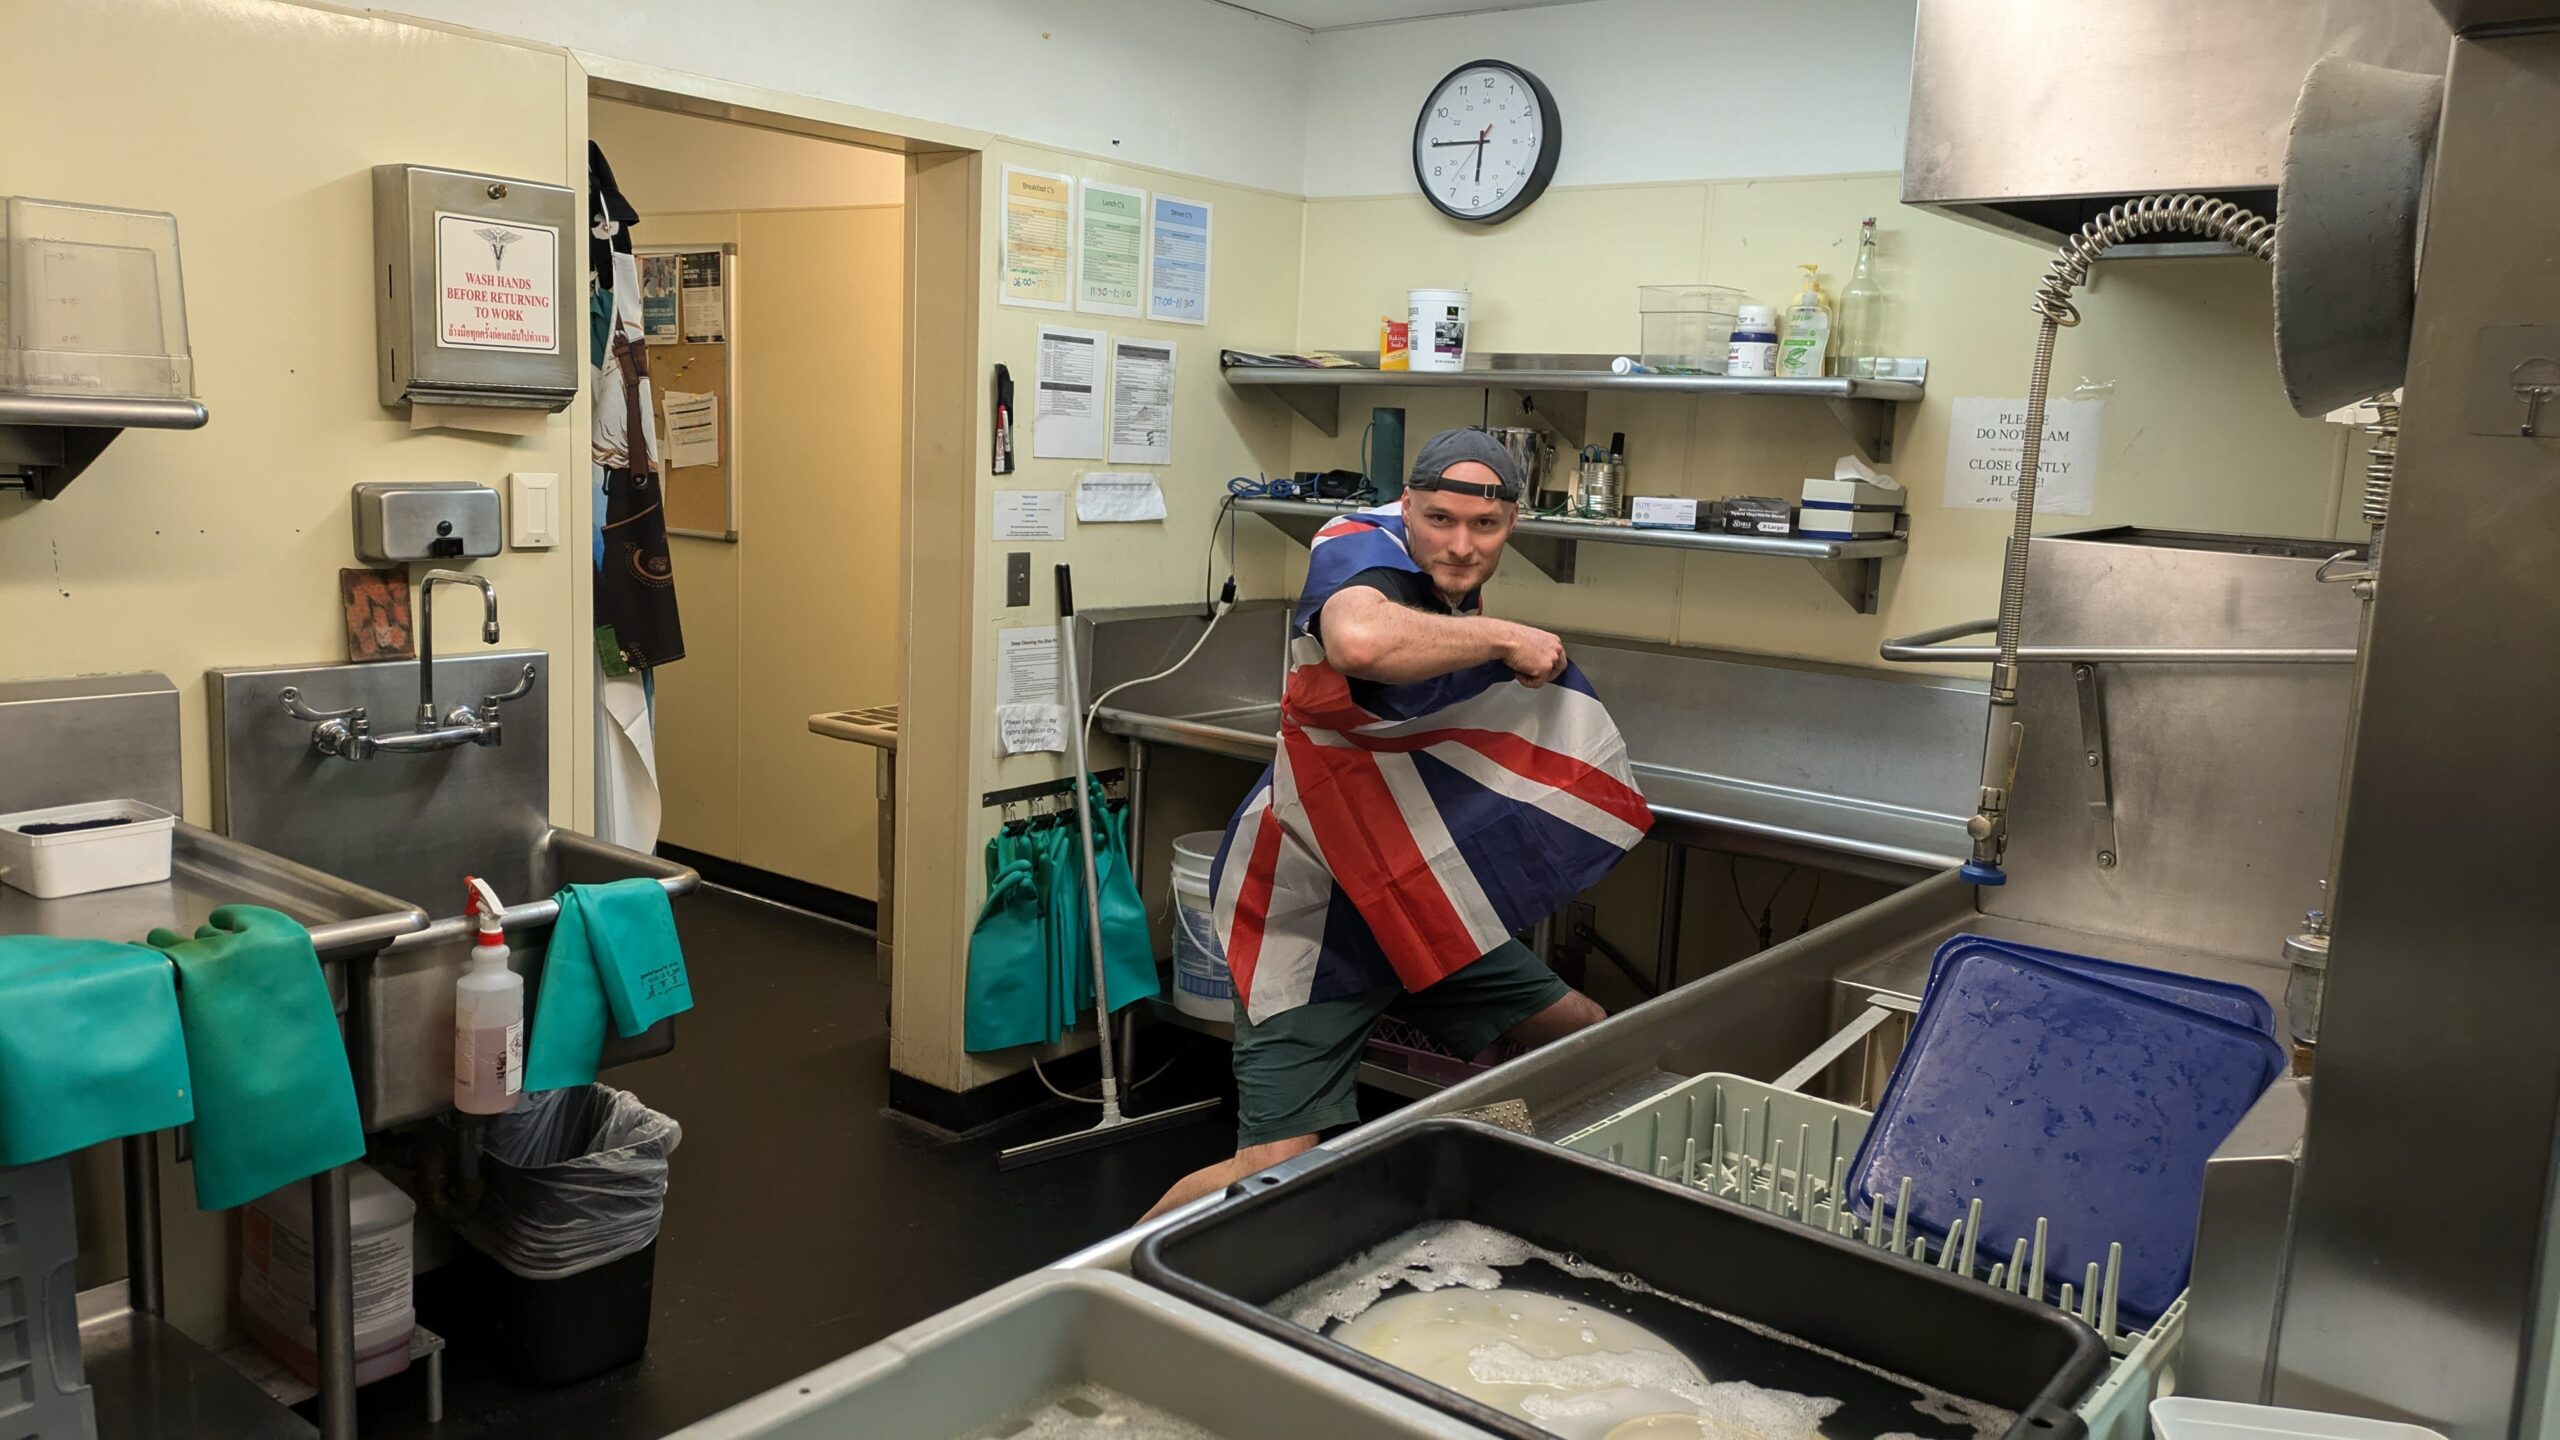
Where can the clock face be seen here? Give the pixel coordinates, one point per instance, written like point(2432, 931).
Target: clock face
point(1487, 141)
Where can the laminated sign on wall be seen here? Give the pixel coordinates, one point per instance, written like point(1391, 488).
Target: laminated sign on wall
point(496, 284)
point(1987, 436)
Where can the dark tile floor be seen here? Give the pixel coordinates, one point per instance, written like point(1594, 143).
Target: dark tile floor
point(803, 1220)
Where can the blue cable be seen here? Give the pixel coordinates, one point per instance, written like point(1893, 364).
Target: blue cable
point(1265, 489)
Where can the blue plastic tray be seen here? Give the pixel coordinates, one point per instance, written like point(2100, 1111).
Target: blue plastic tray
point(2238, 1004)
point(2046, 1092)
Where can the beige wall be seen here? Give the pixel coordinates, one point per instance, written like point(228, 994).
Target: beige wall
point(180, 552)
point(666, 162)
point(2196, 433)
point(1253, 270)
point(799, 614)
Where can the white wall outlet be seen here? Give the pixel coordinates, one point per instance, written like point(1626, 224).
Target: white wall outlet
point(533, 510)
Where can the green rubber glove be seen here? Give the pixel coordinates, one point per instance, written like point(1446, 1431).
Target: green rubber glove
point(275, 1101)
point(90, 1046)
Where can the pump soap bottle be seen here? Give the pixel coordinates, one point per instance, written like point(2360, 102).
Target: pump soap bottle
point(488, 1016)
point(1808, 336)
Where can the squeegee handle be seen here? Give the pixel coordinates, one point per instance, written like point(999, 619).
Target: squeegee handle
point(1066, 594)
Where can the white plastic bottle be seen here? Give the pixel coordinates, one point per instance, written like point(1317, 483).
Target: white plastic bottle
point(1752, 354)
point(1808, 336)
point(488, 1017)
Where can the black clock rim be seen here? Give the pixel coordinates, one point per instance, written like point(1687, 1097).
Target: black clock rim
point(1550, 124)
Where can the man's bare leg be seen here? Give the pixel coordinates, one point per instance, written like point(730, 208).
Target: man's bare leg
point(1214, 1178)
point(1576, 1011)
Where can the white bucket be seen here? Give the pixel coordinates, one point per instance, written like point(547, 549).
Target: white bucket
point(1201, 985)
point(1437, 320)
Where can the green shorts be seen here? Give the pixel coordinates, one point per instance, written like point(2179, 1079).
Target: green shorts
point(1296, 1073)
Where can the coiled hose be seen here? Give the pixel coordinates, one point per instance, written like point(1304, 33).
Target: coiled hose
point(2150, 215)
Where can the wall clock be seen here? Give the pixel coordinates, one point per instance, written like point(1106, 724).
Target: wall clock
point(1485, 145)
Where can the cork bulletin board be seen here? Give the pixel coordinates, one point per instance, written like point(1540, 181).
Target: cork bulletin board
point(693, 349)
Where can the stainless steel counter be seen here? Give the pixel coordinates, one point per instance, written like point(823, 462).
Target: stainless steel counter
point(1855, 770)
point(206, 871)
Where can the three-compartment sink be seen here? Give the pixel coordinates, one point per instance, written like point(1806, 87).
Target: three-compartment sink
point(413, 825)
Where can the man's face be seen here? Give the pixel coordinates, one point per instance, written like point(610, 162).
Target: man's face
point(1457, 539)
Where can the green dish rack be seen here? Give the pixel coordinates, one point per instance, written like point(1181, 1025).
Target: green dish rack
point(1787, 1154)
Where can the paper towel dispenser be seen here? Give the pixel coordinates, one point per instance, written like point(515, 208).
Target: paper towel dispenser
point(476, 300)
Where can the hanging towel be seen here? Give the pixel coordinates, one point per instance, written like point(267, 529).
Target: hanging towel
point(275, 1101)
point(1009, 981)
point(1128, 945)
point(613, 955)
point(90, 1046)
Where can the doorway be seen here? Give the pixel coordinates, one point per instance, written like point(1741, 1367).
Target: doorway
point(773, 276)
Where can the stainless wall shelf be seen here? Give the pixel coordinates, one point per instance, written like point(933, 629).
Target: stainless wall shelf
point(1555, 390)
point(1851, 566)
point(47, 440)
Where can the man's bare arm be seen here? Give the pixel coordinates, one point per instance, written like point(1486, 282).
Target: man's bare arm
point(1370, 637)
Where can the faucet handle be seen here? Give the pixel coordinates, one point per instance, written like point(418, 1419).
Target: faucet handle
point(522, 688)
point(291, 695)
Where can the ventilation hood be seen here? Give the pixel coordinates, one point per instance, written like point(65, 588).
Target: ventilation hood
point(2030, 116)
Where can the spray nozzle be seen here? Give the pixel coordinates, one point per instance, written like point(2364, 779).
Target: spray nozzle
point(481, 903)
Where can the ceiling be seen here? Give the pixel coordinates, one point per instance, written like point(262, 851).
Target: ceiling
point(1319, 15)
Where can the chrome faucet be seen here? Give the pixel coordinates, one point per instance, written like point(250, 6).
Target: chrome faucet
point(427, 633)
point(348, 735)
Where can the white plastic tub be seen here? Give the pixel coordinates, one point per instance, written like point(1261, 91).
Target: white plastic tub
point(1201, 984)
point(52, 863)
point(2181, 1418)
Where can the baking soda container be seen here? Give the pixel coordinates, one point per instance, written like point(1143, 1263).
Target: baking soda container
point(1436, 328)
point(1201, 984)
point(1753, 351)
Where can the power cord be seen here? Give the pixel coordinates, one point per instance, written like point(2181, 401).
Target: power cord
point(1765, 926)
point(1125, 1090)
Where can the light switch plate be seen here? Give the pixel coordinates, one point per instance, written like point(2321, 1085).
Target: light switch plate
point(533, 510)
point(1017, 579)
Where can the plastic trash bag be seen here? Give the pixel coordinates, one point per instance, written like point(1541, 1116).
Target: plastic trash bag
point(576, 1178)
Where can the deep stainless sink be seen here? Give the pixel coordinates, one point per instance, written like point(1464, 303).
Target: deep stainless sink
point(400, 1006)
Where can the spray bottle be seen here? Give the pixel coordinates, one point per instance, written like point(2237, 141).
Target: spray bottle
point(1808, 337)
point(488, 1016)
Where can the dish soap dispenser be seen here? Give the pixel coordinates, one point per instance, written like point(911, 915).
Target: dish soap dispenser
point(488, 1016)
point(1808, 335)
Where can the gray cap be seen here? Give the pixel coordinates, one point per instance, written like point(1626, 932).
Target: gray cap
point(1456, 447)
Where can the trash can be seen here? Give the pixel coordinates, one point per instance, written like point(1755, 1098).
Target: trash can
point(567, 1231)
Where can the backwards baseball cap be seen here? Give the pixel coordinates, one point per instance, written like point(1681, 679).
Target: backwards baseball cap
point(1456, 447)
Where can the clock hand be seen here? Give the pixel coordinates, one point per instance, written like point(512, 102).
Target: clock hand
point(1483, 137)
point(1454, 144)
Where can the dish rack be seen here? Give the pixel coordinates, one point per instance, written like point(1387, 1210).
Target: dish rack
point(1788, 1154)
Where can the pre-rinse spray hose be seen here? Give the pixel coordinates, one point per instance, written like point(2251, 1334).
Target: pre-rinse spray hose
point(2151, 215)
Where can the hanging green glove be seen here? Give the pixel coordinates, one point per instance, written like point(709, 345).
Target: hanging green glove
point(1008, 982)
point(1128, 946)
point(90, 1046)
point(275, 1101)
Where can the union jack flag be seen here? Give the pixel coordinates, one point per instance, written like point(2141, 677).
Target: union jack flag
point(1399, 841)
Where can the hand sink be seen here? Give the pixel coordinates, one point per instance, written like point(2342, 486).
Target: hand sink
point(401, 1005)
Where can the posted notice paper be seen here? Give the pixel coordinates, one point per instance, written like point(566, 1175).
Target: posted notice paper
point(1067, 395)
point(1025, 729)
point(1031, 514)
point(1103, 497)
point(1039, 238)
point(1986, 436)
point(1027, 665)
point(658, 298)
point(706, 303)
point(1178, 260)
point(1111, 250)
point(693, 428)
point(1142, 402)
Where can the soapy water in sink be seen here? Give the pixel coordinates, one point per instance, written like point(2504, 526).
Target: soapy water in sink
point(1583, 1352)
point(1086, 1411)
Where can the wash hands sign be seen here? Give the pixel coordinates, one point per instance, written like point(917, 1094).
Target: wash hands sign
point(497, 284)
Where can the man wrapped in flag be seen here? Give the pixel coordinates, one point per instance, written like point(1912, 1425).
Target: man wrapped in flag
point(1444, 780)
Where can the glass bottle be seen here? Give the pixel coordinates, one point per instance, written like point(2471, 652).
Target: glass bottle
point(1860, 337)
